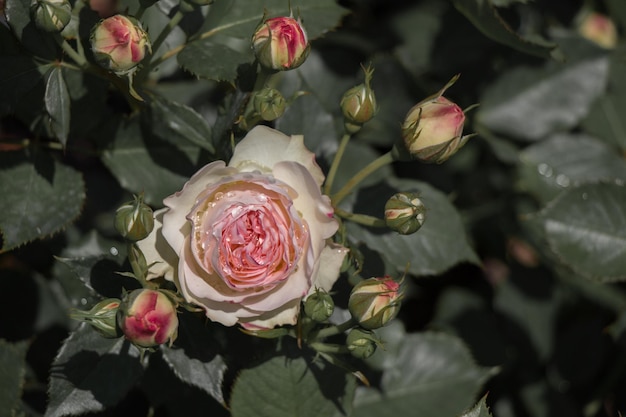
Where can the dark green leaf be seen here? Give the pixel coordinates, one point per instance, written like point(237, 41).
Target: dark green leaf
point(288, 387)
point(565, 160)
point(149, 165)
point(430, 375)
point(18, 75)
point(530, 103)
point(585, 227)
point(57, 101)
point(485, 17)
point(91, 373)
point(177, 123)
point(19, 18)
point(441, 242)
point(39, 196)
point(479, 410)
point(207, 59)
point(12, 369)
point(618, 11)
point(194, 358)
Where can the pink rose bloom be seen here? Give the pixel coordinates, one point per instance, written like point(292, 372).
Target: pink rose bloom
point(148, 318)
point(119, 43)
point(281, 43)
point(248, 241)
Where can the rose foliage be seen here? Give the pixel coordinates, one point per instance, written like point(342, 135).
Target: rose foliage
point(312, 208)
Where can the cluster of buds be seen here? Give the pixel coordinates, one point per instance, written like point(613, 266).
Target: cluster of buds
point(147, 318)
point(52, 15)
point(119, 43)
point(134, 220)
point(433, 129)
point(358, 104)
point(280, 44)
point(405, 213)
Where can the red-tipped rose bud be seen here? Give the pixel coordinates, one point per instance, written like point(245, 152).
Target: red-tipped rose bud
point(432, 130)
point(358, 104)
point(134, 220)
point(280, 43)
point(52, 15)
point(148, 318)
point(119, 43)
point(599, 29)
point(405, 213)
point(375, 301)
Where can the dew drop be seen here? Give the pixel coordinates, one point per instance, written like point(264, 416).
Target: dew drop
point(545, 170)
point(113, 251)
point(83, 301)
point(619, 182)
point(563, 180)
point(38, 230)
point(585, 196)
point(218, 195)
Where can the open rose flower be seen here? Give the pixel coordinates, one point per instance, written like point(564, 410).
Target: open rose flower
point(248, 241)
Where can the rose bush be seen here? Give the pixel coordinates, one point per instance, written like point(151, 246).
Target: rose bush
point(248, 241)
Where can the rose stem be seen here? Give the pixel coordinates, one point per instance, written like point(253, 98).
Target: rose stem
point(361, 218)
point(335, 164)
point(380, 162)
point(333, 330)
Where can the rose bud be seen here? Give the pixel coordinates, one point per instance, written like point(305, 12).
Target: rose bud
point(101, 317)
point(280, 43)
point(358, 104)
point(405, 213)
point(375, 301)
point(269, 103)
point(599, 29)
point(119, 43)
point(52, 15)
point(361, 343)
point(432, 130)
point(319, 306)
point(148, 318)
point(134, 220)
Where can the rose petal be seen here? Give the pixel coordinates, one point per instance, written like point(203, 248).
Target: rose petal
point(286, 315)
point(264, 147)
point(329, 266)
point(159, 254)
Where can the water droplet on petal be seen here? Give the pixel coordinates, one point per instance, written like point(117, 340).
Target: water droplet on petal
point(562, 180)
point(545, 170)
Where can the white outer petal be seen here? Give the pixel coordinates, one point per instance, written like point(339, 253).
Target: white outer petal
point(157, 251)
point(329, 266)
point(264, 147)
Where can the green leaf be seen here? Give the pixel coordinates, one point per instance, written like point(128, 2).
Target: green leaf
point(13, 370)
point(429, 375)
point(149, 165)
point(485, 17)
point(39, 196)
point(530, 103)
point(292, 386)
point(19, 18)
point(617, 10)
point(441, 242)
point(479, 410)
point(91, 373)
point(585, 227)
point(57, 101)
point(194, 357)
point(566, 160)
point(18, 75)
point(176, 123)
point(224, 41)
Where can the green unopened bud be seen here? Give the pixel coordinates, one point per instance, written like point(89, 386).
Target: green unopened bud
point(433, 129)
point(148, 318)
point(405, 213)
point(319, 306)
point(375, 301)
point(269, 103)
point(358, 104)
point(52, 15)
point(362, 343)
point(101, 317)
point(134, 220)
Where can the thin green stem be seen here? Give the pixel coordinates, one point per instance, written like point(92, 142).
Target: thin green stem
point(174, 21)
point(335, 164)
point(363, 219)
point(71, 52)
point(334, 330)
point(325, 348)
point(376, 164)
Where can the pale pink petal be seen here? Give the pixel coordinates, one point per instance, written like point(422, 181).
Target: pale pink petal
point(176, 227)
point(159, 255)
point(329, 266)
point(264, 147)
point(286, 315)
